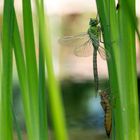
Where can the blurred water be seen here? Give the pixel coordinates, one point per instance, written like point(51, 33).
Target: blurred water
point(84, 115)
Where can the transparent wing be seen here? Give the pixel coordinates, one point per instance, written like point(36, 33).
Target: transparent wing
point(81, 43)
point(75, 40)
point(85, 50)
point(104, 53)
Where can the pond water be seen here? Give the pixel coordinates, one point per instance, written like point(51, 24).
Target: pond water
point(84, 114)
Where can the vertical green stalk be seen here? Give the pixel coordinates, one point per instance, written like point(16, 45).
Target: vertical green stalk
point(127, 73)
point(54, 91)
point(22, 75)
point(42, 96)
point(0, 70)
point(31, 65)
point(42, 92)
point(109, 25)
point(6, 132)
point(108, 20)
point(0, 81)
point(119, 39)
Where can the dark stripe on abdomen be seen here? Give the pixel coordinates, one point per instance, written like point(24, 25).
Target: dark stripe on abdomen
point(95, 70)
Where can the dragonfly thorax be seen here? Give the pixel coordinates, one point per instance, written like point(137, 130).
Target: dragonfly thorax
point(94, 36)
point(93, 31)
point(94, 28)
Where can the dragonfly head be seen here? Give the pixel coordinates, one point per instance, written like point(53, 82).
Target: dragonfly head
point(93, 22)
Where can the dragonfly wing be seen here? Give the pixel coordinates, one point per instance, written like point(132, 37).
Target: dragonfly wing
point(81, 43)
point(104, 53)
point(85, 50)
point(75, 40)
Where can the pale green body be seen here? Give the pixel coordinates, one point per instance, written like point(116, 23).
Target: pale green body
point(90, 42)
point(94, 34)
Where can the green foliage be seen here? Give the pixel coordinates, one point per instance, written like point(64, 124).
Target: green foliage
point(119, 39)
point(42, 95)
point(118, 28)
point(6, 76)
point(53, 86)
point(32, 89)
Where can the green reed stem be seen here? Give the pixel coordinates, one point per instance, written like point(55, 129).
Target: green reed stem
point(127, 73)
point(22, 75)
point(42, 97)
point(121, 67)
point(31, 65)
point(6, 132)
point(57, 110)
point(42, 91)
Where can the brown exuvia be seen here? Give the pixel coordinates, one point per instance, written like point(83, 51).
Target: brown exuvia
point(107, 110)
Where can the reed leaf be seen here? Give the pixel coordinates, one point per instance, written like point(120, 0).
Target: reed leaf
point(22, 75)
point(31, 65)
point(54, 97)
point(121, 67)
point(6, 125)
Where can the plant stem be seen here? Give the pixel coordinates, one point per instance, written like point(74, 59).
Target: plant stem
point(127, 73)
point(121, 67)
point(6, 132)
point(22, 75)
point(54, 90)
point(31, 66)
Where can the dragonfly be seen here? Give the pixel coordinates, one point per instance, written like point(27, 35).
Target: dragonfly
point(88, 43)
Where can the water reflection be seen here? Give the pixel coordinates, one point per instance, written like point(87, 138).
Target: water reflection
point(85, 117)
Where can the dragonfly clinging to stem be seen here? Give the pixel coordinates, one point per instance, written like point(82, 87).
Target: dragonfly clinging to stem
point(88, 43)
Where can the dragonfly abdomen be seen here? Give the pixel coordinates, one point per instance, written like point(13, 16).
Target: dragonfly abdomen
point(95, 70)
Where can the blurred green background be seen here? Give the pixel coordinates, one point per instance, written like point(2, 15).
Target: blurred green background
point(84, 115)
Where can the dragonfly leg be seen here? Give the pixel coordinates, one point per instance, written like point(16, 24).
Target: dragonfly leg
point(101, 39)
point(100, 35)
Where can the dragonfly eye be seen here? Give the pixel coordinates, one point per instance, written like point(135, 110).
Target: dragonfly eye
point(93, 22)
